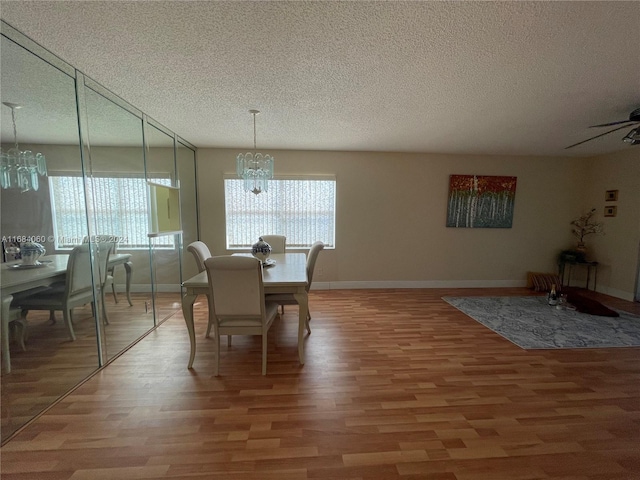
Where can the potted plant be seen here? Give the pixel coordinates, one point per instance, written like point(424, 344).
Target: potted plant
point(584, 226)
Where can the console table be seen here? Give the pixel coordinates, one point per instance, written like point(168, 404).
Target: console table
point(570, 262)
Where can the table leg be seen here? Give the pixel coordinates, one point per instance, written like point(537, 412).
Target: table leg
point(187, 311)
point(6, 357)
point(303, 302)
point(588, 275)
point(128, 266)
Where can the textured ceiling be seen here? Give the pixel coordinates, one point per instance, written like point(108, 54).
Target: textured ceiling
point(500, 78)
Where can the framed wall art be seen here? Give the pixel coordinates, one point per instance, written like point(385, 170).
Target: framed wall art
point(611, 195)
point(481, 201)
point(611, 211)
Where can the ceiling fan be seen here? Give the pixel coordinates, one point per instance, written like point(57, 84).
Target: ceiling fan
point(633, 137)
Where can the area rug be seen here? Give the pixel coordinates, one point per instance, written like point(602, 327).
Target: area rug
point(531, 323)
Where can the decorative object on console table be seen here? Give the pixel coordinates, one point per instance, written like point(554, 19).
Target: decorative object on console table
point(584, 226)
point(481, 201)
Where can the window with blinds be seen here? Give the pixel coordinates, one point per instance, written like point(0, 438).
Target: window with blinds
point(304, 210)
point(120, 209)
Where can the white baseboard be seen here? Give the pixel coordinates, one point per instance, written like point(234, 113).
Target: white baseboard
point(419, 284)
point(614, 292)
point(146, 288)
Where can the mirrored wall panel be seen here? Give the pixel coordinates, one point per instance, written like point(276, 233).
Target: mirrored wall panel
point(82, 280)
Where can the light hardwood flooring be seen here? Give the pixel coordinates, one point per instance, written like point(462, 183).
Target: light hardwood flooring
point(397, 384)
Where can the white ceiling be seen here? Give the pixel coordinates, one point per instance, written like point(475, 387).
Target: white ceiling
point(502, 78)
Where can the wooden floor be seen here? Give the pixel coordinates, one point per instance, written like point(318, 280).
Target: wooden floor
point(397, 384)
point(53, 364)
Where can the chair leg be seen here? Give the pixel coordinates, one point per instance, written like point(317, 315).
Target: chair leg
point(208, 329)
point(21, 331)
point(113, 285)
point(67, 320)
point(216, 370)
point(105, 318)
point(264, 353)
point(52, 317)
point(229, 340)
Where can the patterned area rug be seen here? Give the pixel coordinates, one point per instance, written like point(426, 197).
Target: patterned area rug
point(530, 323)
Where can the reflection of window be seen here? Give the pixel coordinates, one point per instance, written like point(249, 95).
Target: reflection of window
point(120, 208)
point(302, 209)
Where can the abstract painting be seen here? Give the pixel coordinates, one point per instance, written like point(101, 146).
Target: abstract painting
point(481, 201)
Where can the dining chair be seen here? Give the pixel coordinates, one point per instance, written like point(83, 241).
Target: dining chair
point(278, 243)
point(200, 252)
point(75, 291)
point(288, 298)
point(237, 303)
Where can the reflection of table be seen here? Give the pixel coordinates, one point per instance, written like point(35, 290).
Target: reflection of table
point(568, 262)
point(14, 280)
point(288, 275)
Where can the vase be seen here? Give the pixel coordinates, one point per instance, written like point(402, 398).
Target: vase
point(31, 252)
point(261, 250)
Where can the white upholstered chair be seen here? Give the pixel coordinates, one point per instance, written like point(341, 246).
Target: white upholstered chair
point(236, 301)
point(75, 291)
point(200, 252)
point(278, 243)
point(288, 298)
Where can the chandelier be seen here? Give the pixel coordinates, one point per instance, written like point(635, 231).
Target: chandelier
point(20, 169)
point(254, 168)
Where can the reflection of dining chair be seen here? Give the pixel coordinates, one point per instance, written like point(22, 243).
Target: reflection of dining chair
point(278, 242)
point(288, 298)
point(75, 291)
point(236, 301)
point(200, 252)
point(110, 270)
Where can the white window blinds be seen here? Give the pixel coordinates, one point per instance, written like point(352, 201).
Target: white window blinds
point(119, 209)
point(303, 210)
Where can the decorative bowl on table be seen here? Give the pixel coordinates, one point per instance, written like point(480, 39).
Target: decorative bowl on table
point(31, 252)
point(261, 250)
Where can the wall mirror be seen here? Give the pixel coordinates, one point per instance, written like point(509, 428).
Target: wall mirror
point(93, 199)
point(47, 123)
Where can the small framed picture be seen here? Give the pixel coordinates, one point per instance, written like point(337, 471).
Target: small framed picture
point(610, 211)
point(611, 195)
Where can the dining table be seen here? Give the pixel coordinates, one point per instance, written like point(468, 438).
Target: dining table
point(15, 277)
point(284, 273)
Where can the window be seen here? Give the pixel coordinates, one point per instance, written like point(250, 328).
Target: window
point(120, 209)
point(304, 210)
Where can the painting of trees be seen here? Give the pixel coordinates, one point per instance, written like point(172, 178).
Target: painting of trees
point(481, 201)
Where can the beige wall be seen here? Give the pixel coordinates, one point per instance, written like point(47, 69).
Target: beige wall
point(391, 209)
point(617, 250)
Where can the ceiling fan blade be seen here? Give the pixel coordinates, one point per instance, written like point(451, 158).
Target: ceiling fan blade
point(611, 124)
point(597, 136)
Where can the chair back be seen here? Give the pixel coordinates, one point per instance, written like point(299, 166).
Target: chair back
point(79, 278)
point(200, 252)
point(315, 249)
point(236, 287)
point(278, 243)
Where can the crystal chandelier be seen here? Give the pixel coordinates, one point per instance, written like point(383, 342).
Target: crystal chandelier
point(254, 168)
point(20, 169)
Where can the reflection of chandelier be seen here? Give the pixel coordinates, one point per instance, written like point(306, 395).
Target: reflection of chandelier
point(20, 169)
point(254, 168)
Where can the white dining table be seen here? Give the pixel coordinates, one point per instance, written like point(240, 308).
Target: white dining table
point(287, 275)
point(15, 278)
